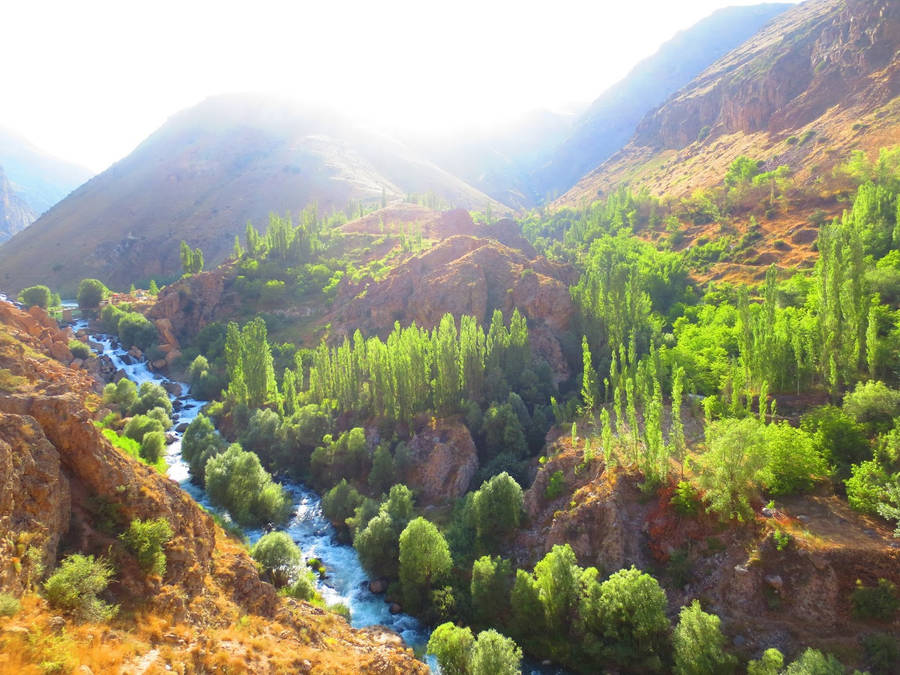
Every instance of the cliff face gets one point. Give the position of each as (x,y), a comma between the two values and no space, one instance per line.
(15,214)
(66,490)
(819,81)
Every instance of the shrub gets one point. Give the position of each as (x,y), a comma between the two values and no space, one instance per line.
(498,507)
(136,330)
(792,460)
(378,546)
(303,587)
(814,662)
(122,394)
(382,475)
(151,395)
(90,293)
(345,457)
(874,405)
(76,585)
(555,485)
(491,583)
(340,502)
(145,539)
(140,425)
(236,480)
(875,602)
(699,644)
(686,500)
(882,652)
(199,443)
(152,446)
(838,437)
(160,416)
(495,654)
(736,453)
(453,648)
(79,349)
(39,296)
(278,556)
(867,486)
(9,605)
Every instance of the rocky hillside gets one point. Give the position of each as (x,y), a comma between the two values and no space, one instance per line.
(202,176)
(15,214)
(819,81)
(67,490)
(611,120)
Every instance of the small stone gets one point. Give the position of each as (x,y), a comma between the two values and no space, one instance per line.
(775,582)
(181,428)
(739,641)
(802,518)
(768,513)
(395,608)
(741,569)
(378,586)
(56,624)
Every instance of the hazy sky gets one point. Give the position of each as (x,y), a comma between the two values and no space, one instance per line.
(88,80)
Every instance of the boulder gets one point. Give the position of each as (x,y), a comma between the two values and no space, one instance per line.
(174,388)
(378,586)
(443,460)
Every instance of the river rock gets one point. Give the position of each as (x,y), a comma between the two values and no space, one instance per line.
(135,353)
(181,428)
(378,586)
(395,608)
(172,387)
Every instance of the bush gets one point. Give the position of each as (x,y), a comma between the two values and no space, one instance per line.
(814,662)
(278,556)
(39,296)
(555,485)
(9,605)
(792,460)
(699,644)
(76,585)
(424,561)
(378,546)
(140,425)
(453,648)
(340,503)
(90,293)
(494,654)
(838,437)
(874,405)
(303,587)
(79,349)
(151,395)
(145,539)
(867,486)
(875,602)
(236,480)
(152,446)
(136,330)
(122,394)
(728,470)
(491,583)
(498,508)
(346,457)
(882,652)
(686,500)
(199,443)
(160,416)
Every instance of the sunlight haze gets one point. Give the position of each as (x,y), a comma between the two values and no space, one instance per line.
(88,81)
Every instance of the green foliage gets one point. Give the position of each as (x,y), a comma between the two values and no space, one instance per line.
(382,474)
(346,457)
(199,443)
(882,652)
(236,480)
(135,329)
(686,500)
(152,445)
(90,293)
(874,405)
(555,485)
(489,589)
(378,546)
(793,460)
(698,644)
(453,648)
(151,395)
(770,663)
(814,662)
(303,587)
(191,259)
(145,539)
(341,502)
(839,438)
(140,425)
(494,654)
(735,455)
(122,394)
(76,585)
(424,561)
(79,349)
(878,602)
(497,508)
(9,605)
(556,580)
(39,296)
(278,556)
(742,171)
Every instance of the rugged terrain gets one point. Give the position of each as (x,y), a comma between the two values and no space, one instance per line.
(202,176)
(66,489)
(818,81)
(15,214)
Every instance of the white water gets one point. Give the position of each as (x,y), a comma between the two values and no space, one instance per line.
(346,580)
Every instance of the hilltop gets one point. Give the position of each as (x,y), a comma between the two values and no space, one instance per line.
(203,175)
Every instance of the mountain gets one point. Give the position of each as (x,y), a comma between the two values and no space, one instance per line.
(817,83)
(39,179)
(611,119)
(15,214)
(202,176)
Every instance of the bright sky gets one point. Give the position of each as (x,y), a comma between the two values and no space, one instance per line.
(88,80)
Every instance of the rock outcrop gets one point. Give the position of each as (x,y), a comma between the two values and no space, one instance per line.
(443,460)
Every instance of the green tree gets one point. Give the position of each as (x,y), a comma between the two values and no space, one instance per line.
(498,508)
(278,557)
(340,502)
(736,452)
(199,443)
(236,480)
(382,475)
(699,644)
(770,663)
(36,296)
(145,539)
(90,293)
(453,648)
(490,587)
(557,582)
(378,546)
(152,445)
(588,380)
(494,654)
(814,662)
(424,561)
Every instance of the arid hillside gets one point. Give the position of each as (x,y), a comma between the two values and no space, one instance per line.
(202,176)
(818,82)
